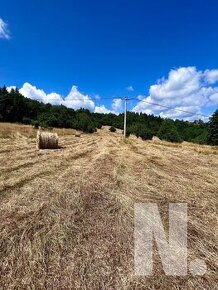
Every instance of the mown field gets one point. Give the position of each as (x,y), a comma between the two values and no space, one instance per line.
(67,215)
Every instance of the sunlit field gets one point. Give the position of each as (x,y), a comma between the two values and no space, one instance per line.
(67,214)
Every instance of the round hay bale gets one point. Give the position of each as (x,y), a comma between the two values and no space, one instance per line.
(77,134)
(155,139)
(46,140)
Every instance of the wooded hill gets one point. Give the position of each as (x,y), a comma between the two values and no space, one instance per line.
(14,107)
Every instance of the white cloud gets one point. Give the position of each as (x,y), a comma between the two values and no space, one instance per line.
(77,100)
(10,88)
(211,76)
(130,89)
(214,99)
(185,87)
(180,82)
(30,91)
(54,99)
(4,31)
(182,113)
(97,97)
(102,109)
(74,99)
(117,104)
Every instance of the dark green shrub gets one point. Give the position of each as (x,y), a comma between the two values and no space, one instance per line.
(128,132)
(169,132)
(112,129)
(201,139)
(213,129)
(85,123)
(26,120)
(141,131)
(35,124)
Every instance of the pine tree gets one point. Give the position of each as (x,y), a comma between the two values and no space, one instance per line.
(213,129)
(169,132)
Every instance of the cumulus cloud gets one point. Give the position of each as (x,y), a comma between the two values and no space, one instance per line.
(30,91)
(214,98)
(130,89)
(211,76)
(186,89)
(75,99)
(97,97)
(102,109)
(180,112)
(181,82)
(4,31)
(10,88)
(117,104)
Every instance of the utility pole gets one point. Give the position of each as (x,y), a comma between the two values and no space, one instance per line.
(125,111)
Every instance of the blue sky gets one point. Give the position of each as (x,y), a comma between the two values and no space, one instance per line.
(159,51)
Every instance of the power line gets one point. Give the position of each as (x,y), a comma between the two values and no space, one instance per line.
(121,98)
(73,99)
(171,108)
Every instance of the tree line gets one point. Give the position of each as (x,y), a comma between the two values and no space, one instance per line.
(14,107)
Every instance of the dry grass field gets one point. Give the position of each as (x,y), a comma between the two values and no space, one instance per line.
(67,214)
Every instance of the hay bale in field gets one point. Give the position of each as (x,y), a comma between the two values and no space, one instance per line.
(155,139)
(77,134)
(46,140)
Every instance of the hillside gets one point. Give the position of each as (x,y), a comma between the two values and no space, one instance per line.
(67,214)
(14,107)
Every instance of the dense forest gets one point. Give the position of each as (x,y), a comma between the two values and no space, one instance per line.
(16,108)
